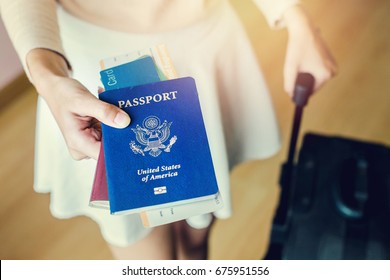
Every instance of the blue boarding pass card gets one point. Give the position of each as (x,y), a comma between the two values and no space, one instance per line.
(163,157)
(137,72)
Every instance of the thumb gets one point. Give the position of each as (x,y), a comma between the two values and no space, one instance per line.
(290,71)
(290,75)
(108,113)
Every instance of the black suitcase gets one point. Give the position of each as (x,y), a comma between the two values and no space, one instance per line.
(335,200)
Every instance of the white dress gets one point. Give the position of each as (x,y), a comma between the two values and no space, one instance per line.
(237,108)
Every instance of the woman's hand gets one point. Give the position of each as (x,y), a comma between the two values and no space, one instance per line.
(77,112)
(306,51)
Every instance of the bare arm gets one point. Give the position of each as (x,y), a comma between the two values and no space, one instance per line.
(306,50)
(77,111)
(33,29)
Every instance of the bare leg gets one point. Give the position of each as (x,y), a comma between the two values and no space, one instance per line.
(157,245)
(191,243)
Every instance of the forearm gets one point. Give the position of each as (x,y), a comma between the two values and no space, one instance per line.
(31,25)
(306,50)
(297,20)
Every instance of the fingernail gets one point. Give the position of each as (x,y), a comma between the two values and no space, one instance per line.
(122,119)
(100,90)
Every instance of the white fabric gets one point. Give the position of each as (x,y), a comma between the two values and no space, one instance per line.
(33,24)
(237,109)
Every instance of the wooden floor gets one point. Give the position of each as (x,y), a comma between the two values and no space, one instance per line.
(355,104)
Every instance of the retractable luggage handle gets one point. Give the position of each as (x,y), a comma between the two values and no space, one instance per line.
(303,89)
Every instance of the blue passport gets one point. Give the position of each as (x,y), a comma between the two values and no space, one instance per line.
(140,71)
(163,157)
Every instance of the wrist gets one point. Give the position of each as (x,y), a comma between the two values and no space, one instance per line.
(46,67)
(296,19)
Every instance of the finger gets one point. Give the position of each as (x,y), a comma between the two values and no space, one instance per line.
(77,155)
(96,129)
(289,81)
(100,90)
(84,146)
(290,75)
(105,112)
(92,148)
(290,70)
(331,62)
